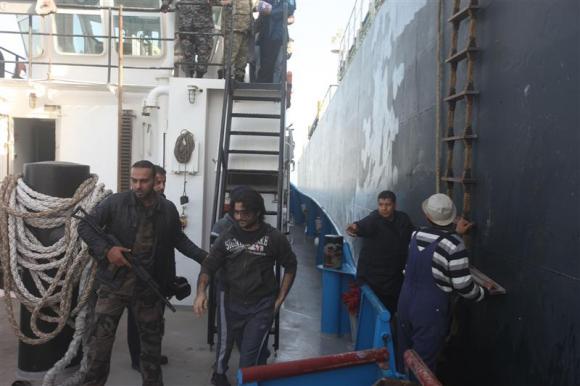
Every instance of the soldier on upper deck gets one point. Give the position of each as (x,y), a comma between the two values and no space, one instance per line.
(194,26)
(271,31)
(242,26)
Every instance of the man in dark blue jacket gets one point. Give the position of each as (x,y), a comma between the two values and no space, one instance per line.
(386,233)
(147,225)
(271,30)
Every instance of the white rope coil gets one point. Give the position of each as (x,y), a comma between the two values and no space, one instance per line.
(55,269)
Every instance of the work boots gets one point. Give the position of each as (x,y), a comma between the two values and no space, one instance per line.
(220,380)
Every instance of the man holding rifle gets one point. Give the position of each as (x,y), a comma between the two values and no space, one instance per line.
(142,229)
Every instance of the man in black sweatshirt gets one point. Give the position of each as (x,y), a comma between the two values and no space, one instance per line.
(247,252)
(386,233)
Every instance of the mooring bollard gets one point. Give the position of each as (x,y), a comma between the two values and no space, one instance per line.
(57,179)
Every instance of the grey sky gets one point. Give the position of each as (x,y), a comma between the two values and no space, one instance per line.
(313,65)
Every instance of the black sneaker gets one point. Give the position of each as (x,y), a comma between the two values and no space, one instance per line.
(220,380)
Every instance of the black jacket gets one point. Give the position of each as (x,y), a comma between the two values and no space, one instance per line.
(384,250)
(117,215)
(248,259)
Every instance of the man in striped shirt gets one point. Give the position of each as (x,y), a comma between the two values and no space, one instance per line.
(437,266)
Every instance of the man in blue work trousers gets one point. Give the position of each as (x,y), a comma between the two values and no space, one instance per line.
(437,266)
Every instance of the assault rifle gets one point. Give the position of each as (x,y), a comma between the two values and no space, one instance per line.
(112,274)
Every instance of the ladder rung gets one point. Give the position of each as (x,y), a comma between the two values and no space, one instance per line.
(459,138)
(460,180)
(256,133)
(461,95)
(256,98)
(256,152)
(461,55)
(254,115)
(271,213)
(463,14)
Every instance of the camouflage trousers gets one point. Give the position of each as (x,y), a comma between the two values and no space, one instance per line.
(148,311)
(195,43)
(239,55)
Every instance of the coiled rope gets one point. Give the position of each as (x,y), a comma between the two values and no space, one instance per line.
(184,146)
(20,206)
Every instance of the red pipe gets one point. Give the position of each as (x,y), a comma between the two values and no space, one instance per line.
(312,365)
(424,375)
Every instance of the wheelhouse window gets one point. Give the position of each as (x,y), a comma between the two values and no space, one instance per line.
(141,31)
(141,35)
(79,33)
(34,23)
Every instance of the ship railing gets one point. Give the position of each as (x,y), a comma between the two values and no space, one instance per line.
(108,40)
(321,106)
(327,98)
(361,17)
(17,60)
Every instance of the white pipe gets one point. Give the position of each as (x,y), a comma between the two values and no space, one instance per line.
(151,98)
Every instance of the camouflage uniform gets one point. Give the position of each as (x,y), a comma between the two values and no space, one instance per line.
(242,24)
(148,311)
(199,20)
(144,304)
(152,233)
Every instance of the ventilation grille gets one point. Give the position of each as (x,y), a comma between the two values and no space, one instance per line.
(124,151)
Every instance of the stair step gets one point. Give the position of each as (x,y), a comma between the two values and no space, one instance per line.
(256,98)
(255,133)
(258,188)
(256,152)
(263,181)
(254,115)
(259,172)
(256,86)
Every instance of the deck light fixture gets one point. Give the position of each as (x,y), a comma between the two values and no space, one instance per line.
(192,91)
(32,100)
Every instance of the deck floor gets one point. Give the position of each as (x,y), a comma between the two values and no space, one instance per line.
(190,358)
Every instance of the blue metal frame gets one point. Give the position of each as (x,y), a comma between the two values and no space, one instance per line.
(376,321)
(374,330)
(296,206)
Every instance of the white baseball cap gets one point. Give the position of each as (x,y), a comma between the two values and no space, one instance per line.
(439,209)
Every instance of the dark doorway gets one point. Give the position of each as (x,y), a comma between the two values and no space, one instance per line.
(34,141)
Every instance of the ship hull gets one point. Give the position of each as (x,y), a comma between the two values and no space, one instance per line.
(380,132)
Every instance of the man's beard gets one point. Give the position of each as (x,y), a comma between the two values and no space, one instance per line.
(142,195)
